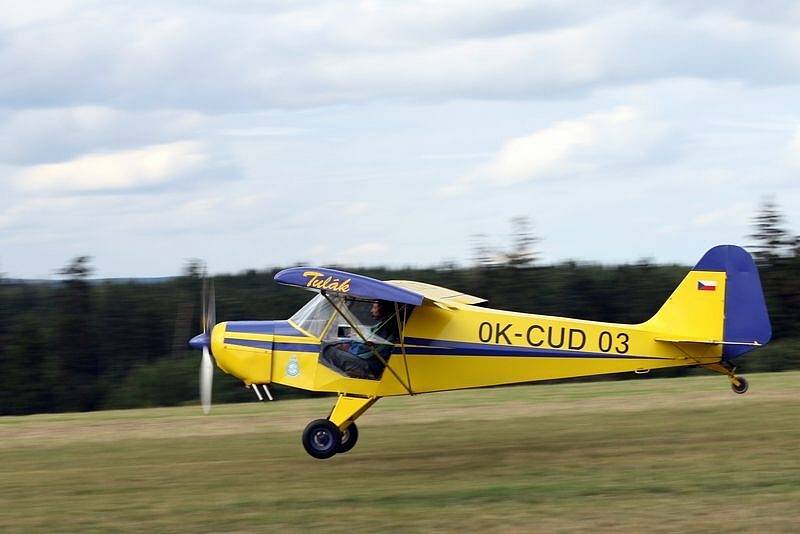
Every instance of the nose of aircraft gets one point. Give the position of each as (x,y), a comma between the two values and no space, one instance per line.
(248,359)
(200,340)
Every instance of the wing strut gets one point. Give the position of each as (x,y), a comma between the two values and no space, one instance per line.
(367,343)
(401,330)
(710,342)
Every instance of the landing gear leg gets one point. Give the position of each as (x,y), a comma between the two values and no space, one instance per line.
(738,383)
(338,433)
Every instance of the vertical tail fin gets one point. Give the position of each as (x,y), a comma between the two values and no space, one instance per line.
(719,300)
(746,317)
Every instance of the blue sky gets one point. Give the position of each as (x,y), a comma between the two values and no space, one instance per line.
(256,134)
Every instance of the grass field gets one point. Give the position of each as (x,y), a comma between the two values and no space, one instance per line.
(656,455)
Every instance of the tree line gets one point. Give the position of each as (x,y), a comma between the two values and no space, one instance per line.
(80,344)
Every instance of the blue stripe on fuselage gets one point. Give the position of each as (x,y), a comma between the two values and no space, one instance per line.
(278,328)
(267,345)
(249,343)
(439,347)
(297,347)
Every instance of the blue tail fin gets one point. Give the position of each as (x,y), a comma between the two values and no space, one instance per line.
(746,318)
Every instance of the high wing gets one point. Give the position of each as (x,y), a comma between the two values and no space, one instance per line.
(336,282)
(438,294)
(355,285)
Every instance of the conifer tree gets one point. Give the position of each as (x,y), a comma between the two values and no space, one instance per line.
(522,253)
(78,365)
(772,239)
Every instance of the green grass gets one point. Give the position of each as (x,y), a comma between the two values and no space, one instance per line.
(657,455)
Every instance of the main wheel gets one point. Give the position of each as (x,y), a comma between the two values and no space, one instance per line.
(322,439)
(742,387)
(349,438)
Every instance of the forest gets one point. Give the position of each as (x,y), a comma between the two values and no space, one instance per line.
(81,344)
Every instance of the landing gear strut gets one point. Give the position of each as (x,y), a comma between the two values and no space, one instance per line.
(738,383)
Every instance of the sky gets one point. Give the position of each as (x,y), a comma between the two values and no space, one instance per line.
(257,134)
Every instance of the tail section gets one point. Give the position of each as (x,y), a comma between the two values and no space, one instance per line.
(719,302)
(746,317)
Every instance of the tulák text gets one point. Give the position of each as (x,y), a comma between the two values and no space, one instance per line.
(330,283)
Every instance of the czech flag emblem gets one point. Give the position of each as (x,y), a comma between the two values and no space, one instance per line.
(706,285)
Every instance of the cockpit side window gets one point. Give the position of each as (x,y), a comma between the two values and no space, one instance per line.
(320,319)
(359,313)
(363,354)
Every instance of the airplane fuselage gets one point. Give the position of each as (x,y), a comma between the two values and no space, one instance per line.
(463,346)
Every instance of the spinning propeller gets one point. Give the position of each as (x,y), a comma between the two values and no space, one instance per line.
(206,365)
(203,341)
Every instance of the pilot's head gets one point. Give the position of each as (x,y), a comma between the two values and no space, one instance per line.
(380,309)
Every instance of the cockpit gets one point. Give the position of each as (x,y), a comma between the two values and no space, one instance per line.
(357,335)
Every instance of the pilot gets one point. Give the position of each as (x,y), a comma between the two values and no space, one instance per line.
(357,359)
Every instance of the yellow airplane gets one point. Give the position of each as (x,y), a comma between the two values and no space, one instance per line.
(365,339)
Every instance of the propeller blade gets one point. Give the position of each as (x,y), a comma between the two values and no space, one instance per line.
(211,317)
(206,380)
(204,304)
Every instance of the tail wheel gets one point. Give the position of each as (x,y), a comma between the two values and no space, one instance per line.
(742,387)
(349,438)
(322,439)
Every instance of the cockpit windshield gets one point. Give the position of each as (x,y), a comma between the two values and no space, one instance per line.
(315,316)
(320,319)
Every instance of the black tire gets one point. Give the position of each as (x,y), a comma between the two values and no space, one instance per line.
(742,387)
(322,439)
(349,438)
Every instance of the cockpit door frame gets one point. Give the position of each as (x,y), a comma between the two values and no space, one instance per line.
(355,328)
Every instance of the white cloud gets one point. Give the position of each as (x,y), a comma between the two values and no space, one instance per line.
(46,135)
(307,116)
(20,13)
(246,56)
(123,170)
(619,136)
